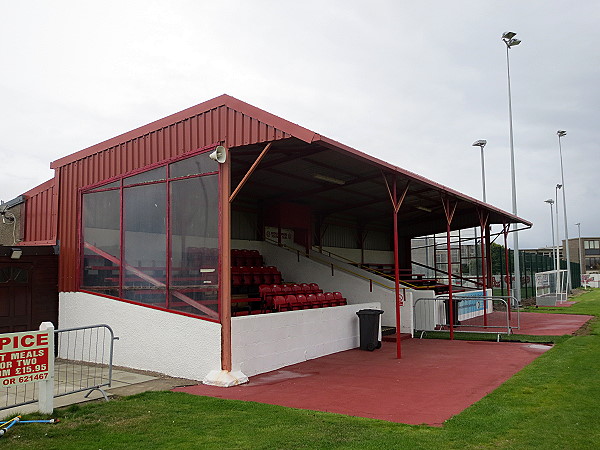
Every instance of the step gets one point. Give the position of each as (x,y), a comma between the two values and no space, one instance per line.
(392,337)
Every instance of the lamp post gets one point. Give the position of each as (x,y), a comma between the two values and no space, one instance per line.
(581,263)
(509,39)
(558,186)
(551,203)
(481,143)
(562,133)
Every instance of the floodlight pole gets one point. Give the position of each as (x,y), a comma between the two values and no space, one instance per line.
(551,203)
(481,144)
(560,134)
(558,186)
(510,41)
(581,265)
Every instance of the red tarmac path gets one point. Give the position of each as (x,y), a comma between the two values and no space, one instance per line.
(434,380)
(539,324)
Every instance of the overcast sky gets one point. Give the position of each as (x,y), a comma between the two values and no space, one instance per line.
(414,83)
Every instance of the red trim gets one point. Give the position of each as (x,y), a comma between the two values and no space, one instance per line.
(168,239)
(121,235)
(41,188)
(80,251)
(34,243)
(334,145)
(181,313)
(155,165)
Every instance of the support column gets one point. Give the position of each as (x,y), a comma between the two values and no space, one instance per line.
(396,203)
(225,274)
(449,209)
(225,377)
(396,274)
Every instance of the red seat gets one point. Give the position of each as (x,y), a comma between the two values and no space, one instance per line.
(246,275)
(339,299)
(280,303)
(286,290)
(296,289)
(321,300)
(306,289)
(276,289)
(255,257)
(276,274)
(315,288)
(236,276)
(311,299)
(302,302)
(292,302)
(330,299)
(237,258)
(257,277)
(266,275)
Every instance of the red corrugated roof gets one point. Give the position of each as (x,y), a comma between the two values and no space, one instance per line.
(224,100)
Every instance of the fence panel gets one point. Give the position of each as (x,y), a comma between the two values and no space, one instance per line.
(83,362)
(473,314)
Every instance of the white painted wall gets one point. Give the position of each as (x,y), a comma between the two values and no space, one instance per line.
(266,342)
(149,339)
(370,256)
(357,290)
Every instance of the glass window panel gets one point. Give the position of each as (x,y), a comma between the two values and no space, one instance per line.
(20,275)
(144,241)
(114,184)
(5,274)
(194,243)
(158,174)
(101,237)
(193,166)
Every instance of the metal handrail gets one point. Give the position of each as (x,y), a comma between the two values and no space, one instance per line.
(504,299)
(329,264)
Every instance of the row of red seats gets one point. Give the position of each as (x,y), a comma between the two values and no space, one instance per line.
(310,294)
(246,258)
(295,302)
(248,276)
(267,292)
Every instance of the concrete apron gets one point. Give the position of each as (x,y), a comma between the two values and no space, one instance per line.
(124,382)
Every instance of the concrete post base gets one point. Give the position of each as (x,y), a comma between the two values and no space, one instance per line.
(223,378)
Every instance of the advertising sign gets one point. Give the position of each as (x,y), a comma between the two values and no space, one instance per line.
(24,357)
(287,235)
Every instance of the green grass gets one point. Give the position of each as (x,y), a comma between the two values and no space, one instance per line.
(550,404)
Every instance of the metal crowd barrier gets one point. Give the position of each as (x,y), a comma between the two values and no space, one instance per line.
(83,362)
(472,314)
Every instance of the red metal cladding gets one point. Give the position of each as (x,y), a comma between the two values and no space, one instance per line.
(40,215)
(223,119)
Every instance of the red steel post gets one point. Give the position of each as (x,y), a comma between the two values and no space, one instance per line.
(225,262)
(396,274)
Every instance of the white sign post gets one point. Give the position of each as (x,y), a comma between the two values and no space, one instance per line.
(46,386)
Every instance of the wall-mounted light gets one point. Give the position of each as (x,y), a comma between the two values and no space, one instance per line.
(15,253)
(318,176)
(423,208)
